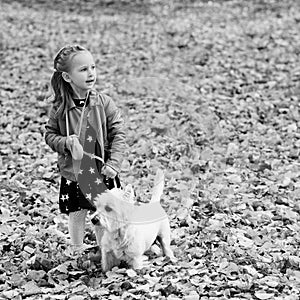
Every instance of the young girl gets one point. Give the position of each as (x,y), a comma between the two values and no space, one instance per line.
(87,131)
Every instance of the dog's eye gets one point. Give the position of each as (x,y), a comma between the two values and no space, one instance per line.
(108,208)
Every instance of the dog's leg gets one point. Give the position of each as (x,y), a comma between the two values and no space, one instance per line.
(109,260)
(140,262)
(99,231)
(165,240)
(165,244)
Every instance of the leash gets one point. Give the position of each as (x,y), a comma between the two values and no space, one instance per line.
(92,156)
(81,117)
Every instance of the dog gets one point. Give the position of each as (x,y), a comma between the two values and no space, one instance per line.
(129,229)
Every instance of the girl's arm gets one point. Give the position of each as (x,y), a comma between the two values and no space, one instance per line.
(115,135)
(53,137)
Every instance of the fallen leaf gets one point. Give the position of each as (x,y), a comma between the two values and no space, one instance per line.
(31,288)
(263,295)
(131,273)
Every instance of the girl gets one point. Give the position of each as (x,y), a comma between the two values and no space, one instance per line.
(87,131)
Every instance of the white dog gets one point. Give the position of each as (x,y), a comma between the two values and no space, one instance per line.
(129,229)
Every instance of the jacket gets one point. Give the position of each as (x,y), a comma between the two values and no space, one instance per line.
(104,116)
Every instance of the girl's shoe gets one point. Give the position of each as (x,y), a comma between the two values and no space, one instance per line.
(74,251)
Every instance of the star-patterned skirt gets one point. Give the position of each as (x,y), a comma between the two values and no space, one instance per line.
(80,194)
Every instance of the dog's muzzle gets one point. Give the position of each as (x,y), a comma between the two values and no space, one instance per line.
(95,220)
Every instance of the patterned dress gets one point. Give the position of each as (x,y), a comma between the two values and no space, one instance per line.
(80,194)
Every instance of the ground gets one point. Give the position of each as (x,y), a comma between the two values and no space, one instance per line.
(209,91)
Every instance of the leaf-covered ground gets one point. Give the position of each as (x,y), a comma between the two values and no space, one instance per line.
(210,92)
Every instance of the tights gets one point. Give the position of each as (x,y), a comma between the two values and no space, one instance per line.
(77,228)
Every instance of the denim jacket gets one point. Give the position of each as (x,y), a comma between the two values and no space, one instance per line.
(104,116)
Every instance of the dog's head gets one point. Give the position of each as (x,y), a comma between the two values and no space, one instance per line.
(113,209)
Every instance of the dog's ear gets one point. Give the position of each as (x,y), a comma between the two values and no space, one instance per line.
(102,199)
(128,194)
(117,193)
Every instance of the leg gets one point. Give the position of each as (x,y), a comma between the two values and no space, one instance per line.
(108,260)
(140,262)
(99,231)
(77,228)
(164,239)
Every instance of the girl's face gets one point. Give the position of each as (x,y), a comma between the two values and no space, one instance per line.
(82,74)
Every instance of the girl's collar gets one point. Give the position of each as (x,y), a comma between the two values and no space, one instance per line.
(92,97)
(79,102)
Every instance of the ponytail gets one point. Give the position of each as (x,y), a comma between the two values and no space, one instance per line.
(63,91)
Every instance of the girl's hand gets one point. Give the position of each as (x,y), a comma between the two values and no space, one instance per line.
(69,142)
(109,172)
(73,145)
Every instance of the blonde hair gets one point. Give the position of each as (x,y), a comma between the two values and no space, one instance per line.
(62,90)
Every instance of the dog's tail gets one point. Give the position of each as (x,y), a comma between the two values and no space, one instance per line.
(158,186)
